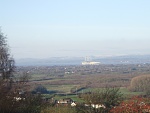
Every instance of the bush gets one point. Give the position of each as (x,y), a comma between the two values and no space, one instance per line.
(109,97)
(134,105)
(140,83)
(40,89)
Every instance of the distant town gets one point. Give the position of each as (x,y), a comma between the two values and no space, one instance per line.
(90,60)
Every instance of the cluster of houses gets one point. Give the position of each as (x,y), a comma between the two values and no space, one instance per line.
(67,101)
(70,102)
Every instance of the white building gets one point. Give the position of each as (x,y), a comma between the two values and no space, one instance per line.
(88,62)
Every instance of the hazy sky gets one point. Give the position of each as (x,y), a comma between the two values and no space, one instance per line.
(55,28)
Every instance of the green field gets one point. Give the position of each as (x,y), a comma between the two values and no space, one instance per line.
(62,87)
(75,97)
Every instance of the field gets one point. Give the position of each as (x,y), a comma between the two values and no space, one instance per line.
(68,81)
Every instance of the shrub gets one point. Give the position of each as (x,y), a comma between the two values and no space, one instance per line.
(109,97)
(140,83)
(40,89)
(134,105)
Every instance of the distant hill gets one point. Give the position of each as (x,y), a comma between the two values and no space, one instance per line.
(49,62)
(130,59)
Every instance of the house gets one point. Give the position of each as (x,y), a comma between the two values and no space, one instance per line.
(95,105)
(65,101)
(17,99)
(73,104)
(98,106)
(21,92)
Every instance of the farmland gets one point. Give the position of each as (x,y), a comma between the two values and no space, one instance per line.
(72,79)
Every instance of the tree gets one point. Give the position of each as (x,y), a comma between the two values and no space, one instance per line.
(109,97)
(6,62)
(40,89)
(6,72)
(12,97)
(141,83)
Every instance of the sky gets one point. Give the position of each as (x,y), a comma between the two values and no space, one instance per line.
(76,28)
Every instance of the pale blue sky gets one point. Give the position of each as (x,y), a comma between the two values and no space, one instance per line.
(55,28)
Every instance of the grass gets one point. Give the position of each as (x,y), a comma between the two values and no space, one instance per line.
(60,88)
(75,97)
(123,90)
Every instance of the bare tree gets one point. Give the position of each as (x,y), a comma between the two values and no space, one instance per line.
(6,62)
(6,73)
(141,83)
(12,96)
